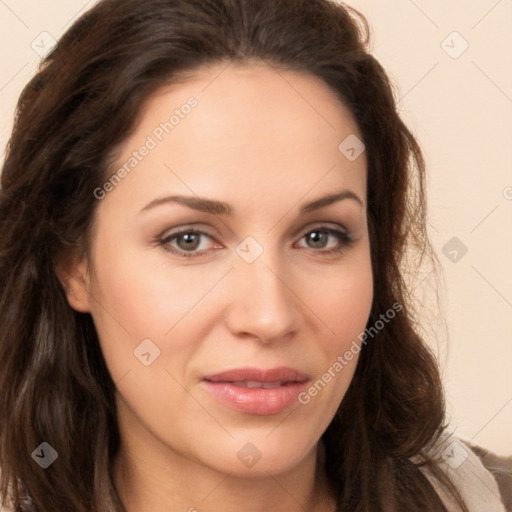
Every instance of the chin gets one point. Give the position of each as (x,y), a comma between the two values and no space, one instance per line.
(257,455)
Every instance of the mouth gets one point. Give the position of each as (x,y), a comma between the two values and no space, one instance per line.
(257,391)
(252,384)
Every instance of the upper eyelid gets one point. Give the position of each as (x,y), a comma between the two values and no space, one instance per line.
(303,230)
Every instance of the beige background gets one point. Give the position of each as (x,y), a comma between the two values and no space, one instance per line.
(459,104)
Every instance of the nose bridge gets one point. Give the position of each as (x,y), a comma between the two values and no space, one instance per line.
(264,303)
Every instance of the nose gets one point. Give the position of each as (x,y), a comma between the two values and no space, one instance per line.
(262,301)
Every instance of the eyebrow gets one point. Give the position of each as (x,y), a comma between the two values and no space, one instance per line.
(203,204)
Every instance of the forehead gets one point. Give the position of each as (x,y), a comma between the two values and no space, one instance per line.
(253,129)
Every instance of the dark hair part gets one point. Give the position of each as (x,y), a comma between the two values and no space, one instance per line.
(71,117)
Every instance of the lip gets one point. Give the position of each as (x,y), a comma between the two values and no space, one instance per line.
(228,389)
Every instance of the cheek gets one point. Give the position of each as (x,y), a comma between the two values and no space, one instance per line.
(344,305)
(143,290)
(345,301)
(347,306)
(137,299)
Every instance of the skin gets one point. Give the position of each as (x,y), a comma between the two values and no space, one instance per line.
(265,141)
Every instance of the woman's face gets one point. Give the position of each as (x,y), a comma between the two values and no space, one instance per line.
(218,338)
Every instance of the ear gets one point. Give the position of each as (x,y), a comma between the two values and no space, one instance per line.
(72,271)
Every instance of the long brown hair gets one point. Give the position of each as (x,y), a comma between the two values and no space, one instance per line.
(71,117)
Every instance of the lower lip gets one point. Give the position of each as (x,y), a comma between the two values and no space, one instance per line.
(259,401)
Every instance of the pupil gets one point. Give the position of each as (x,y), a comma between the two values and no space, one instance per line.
(315,235)
(189,237)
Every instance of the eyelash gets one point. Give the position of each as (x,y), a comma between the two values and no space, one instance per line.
(345,241)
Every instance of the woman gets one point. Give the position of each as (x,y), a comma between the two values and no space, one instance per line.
(143,373)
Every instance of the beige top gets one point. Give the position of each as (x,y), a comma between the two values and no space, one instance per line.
(475,482)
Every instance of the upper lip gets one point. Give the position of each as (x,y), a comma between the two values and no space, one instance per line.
(282,374)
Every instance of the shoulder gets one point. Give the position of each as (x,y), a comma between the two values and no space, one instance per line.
(482,478)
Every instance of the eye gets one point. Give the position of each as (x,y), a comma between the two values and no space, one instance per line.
(186,242)
(187,239)
(320,235)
